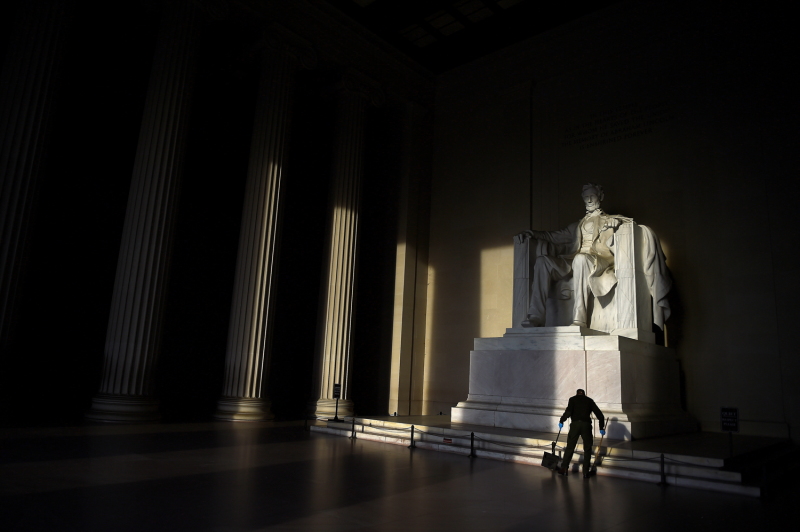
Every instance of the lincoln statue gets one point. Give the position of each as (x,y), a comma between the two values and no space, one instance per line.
(585,249)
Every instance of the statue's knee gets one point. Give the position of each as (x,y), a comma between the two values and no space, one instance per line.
(582,261)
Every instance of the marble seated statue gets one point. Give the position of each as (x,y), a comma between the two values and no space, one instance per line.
(603,272)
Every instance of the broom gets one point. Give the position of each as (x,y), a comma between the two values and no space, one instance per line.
(594,466)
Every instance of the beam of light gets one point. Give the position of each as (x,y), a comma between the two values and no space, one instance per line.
(496,290)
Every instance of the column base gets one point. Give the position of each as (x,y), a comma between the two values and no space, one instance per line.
(123,409)
(243,409)
(326,408)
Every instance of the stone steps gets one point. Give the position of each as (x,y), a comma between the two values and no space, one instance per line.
(694,471)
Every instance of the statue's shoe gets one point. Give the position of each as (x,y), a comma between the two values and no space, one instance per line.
(580,324)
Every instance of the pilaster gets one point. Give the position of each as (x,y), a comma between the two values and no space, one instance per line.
(411,265)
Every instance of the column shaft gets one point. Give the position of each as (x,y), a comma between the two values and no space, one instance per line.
(333,353)
(27,93)
(132,340)
(244,395)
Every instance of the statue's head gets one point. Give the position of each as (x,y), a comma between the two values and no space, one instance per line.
(592,196)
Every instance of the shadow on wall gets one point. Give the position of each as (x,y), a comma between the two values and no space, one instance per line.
(619,430)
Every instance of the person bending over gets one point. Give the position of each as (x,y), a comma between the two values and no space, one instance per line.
(578,410)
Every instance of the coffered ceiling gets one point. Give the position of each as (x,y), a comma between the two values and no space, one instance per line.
(443,34)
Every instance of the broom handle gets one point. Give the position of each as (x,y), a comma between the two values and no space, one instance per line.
(554,443)
(598,450)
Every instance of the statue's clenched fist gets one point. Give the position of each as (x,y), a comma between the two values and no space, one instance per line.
(611,223)
(523,236)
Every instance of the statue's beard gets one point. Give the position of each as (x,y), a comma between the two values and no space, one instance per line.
(592,208)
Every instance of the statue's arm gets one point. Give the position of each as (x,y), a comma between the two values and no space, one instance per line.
(562,236)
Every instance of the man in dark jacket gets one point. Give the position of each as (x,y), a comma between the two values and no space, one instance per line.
(578,410)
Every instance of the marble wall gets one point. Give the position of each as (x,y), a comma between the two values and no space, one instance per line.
(682,115)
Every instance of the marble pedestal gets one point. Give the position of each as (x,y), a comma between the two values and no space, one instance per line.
(525,379)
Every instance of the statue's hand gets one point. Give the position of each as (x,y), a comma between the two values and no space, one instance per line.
(523,236)
(611,223)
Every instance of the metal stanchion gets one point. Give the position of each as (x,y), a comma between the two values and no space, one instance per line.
(412,446)
(337,393)
(471,445)
(353,429)
(663,475)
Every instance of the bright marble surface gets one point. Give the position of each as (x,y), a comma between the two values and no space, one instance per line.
(524,381)
(530,374)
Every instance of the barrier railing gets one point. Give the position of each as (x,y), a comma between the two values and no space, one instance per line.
(520,447)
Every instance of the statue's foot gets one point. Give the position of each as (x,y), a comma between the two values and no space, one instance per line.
(533,321)
(580,324)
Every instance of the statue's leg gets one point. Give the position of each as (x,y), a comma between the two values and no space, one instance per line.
(545,271)
(582,268)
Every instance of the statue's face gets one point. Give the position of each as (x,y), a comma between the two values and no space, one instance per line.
(591,199)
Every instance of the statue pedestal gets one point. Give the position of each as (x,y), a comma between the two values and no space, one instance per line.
(525,379)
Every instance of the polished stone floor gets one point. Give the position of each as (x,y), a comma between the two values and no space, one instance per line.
(248,477)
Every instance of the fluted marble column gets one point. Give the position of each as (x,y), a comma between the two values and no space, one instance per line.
(127,391)
(27,93)
(332,362)
(244,395)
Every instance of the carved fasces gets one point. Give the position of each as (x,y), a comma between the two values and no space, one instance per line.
(625,270)
(522,280)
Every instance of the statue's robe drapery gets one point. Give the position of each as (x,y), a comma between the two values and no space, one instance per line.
(659,281)
(565,244)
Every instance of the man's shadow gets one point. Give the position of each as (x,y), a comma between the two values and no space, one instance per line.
(620,432)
